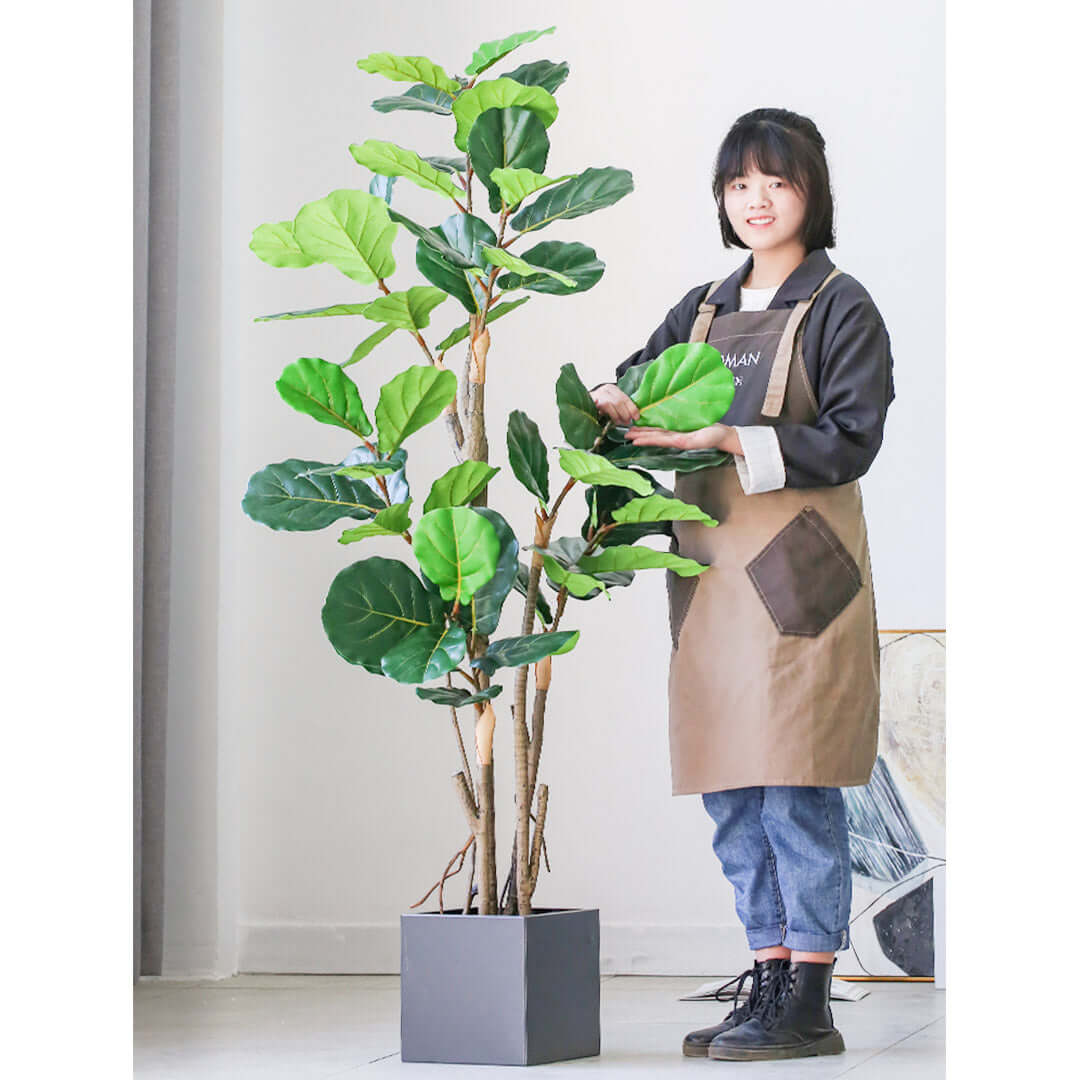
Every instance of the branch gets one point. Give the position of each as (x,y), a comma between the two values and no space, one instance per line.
(541,817)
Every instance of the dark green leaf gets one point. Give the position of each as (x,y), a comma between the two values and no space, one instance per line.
(487,601)
(425,655)
(665,459)
(514,652)
(521,585)
(593,190)
(576,261)
(373,605)
(424,98)
(278,496)
(452,695)
(540,73)
(578,416)
(528,454)
(512,138)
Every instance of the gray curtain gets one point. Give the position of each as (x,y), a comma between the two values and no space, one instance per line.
(155,161)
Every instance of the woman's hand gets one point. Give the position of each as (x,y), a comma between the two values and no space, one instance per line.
(715,437)
(614,404)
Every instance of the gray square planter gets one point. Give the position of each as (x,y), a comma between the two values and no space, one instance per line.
(500,989)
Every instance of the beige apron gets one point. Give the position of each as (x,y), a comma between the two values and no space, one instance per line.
(774,663)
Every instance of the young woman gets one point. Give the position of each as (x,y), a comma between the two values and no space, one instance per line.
(773,688)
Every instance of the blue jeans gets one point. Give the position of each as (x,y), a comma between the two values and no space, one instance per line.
(785,850)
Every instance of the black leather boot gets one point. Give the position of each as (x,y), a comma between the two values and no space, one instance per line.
(696,1044)
(793,1020)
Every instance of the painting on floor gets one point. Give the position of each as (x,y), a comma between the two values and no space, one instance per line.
(896,823)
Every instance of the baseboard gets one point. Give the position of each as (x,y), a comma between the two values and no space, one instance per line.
(374,949)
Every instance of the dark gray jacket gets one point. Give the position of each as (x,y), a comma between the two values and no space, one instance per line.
(848,358)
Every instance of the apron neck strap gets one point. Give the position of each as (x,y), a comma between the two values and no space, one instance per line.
(700,330)
(778,376)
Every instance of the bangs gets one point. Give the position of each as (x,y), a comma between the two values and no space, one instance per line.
(765,147)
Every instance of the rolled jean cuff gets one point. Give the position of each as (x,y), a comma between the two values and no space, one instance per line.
(765,937)
(803,941)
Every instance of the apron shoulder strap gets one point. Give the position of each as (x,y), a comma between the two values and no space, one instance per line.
(778,376)
(700,330)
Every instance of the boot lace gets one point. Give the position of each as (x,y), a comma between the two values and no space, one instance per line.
(720,995)
(773,996)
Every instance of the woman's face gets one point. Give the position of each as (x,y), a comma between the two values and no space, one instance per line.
(770,200)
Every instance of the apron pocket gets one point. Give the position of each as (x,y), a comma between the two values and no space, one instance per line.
(805,575)
(680,595)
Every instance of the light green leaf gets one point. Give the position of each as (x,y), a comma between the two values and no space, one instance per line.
(409,69)
(499,94)
(528,454)
(425,655)
(392,521)
(324,392)
(276,244)
(457,549)
(350,230)
(687,387)
(316,313)
(369,343)
(409,310)
(283,497)
(487,601)
(577,261)
(373,605)
(516,185)
(592,190)
(659,508)
(460,485)
(411,400)
(356,472)
(639,558)
(516,651)
(389,159)
(593,469)
(579,585)
(501,257)
(491,52)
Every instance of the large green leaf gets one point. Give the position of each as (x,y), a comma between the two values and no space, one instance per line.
(459,485)
(500,257)
(460,333)
(665,459)
(687,387)
(487,601)
(543,73)
(561,560)
(409,310)
(572,260)
(578,416)
(499,94)
(513,652)
(411,400)
(528,454)
(491,52)
(275,243)
(462,235)
(392,521)
(421,97)
(606,500)
(278,496)
(593,469)
(409,69)
(630,379)
(513,138)
(389,159)
(355,472)
(425,655)
(323,391)
(350,230)
(435,239)
(458,550)
(659,508)
(593,190)
(639,558)
(582,586)
(373,605)
(455,696)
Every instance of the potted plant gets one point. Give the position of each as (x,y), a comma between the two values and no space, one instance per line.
(497,980)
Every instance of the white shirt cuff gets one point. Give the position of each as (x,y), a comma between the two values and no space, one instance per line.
(761,465)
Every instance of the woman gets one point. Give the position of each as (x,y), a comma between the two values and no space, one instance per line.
(773,688)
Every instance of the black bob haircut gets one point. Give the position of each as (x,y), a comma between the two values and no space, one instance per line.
(781,143)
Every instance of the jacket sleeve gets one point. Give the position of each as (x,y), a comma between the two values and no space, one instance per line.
(855,388)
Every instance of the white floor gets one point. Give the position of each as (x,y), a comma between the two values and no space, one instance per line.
(310,1027)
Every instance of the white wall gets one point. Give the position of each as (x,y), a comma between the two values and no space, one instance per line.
(334,800)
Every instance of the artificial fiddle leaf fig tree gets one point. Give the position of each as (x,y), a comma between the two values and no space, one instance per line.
(438,622)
